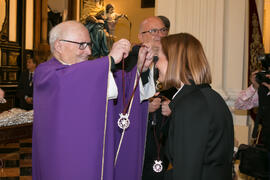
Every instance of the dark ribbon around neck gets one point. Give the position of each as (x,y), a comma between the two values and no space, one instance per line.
(126,106)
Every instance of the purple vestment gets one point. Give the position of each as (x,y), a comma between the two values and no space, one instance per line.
(71,119)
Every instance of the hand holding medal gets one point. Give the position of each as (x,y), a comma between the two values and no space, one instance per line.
(120,50)
(145,57)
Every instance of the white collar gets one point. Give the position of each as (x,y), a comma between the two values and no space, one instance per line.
(62,62)
(178,91)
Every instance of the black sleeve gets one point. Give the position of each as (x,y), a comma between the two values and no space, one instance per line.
(145,76)
(113,66)
(169,93)
(130,63)
(131,60)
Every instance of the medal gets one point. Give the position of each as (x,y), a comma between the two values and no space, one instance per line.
(123,121)
(159,85)
(157,167)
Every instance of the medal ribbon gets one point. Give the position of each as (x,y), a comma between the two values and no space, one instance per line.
(129,104)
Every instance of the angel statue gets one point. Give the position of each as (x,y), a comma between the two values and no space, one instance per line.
(111,18)
(93,19)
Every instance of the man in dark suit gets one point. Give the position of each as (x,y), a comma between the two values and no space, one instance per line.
(151,31)
(25,88)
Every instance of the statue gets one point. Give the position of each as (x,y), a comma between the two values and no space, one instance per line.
(111,18)
(100,23)
(94,22)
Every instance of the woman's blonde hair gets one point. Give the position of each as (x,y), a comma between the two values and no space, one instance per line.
(186,60)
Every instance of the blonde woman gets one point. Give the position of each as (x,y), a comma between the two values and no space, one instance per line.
(200,142)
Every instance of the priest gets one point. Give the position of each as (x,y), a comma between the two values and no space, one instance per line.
(89,117)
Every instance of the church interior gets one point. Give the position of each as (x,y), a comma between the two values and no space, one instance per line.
(230,32)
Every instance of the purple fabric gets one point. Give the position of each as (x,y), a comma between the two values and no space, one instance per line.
(130,159)
(69,122)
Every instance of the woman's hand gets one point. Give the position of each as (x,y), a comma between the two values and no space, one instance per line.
(165,109)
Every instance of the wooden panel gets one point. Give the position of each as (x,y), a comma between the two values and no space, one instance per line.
(41,46)
(10,68)
(14,133)
(9,75)
(4,59)
(13,58)
(72,10)
(4,76)
(12,53)
(12,76)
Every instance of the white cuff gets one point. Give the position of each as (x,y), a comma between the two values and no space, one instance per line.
(148,90)
(112,88)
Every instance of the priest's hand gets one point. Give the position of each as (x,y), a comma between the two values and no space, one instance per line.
(120,50)
(146,55)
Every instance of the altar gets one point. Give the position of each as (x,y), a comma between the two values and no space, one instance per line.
(15,124)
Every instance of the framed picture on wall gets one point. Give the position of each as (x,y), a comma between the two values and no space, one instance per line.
(147,3)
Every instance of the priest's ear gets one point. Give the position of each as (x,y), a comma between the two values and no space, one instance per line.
(58,46)
(140,37)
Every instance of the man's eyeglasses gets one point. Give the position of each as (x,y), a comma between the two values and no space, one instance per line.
(163,30)
(82,45)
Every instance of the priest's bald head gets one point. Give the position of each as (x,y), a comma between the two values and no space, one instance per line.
(70,42)
(151,30)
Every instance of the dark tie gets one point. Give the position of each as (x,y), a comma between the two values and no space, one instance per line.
(30,78)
